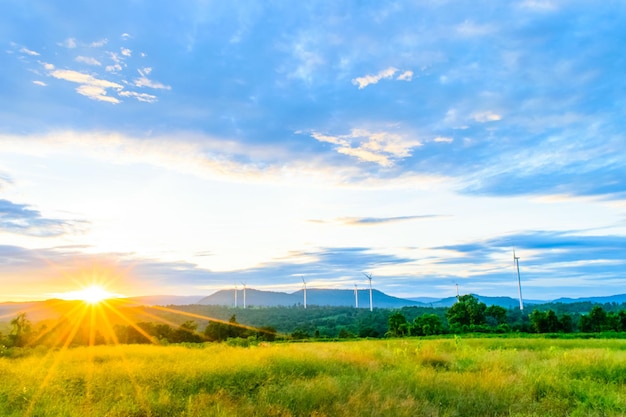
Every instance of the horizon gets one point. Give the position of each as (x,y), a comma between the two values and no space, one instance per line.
(408,298)
(183,148)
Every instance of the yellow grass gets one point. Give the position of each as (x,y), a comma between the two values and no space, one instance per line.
(412,377)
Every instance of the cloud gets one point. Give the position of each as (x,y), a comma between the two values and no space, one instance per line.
(88,60)
(363,82)
(144,81)
(69,43)
(100,43)
(94,88)
(487,116)
(41,83)
(29,52)
(126,51)
(19,219)
(146,98)
(443,139)
(382,148)
(372,221)
(405,76)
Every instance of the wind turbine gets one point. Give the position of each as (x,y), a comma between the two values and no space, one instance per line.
(244,294)
(356,297)
(519,281)
(369,276)
(304,282)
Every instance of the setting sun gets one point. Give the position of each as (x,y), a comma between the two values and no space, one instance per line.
(92,294)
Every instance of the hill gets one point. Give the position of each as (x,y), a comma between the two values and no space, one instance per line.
(315,296)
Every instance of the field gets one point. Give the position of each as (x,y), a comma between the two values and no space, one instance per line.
(400,377)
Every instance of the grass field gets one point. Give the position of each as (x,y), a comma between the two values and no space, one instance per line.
(404,377)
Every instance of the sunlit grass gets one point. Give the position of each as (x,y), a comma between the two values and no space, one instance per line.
(445,377)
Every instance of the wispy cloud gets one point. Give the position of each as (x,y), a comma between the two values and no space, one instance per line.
(366,80)
(94,88)
(146,98)
(20,219)
(27,51)
(88,60)
(373,221)
(100,43)
(69,43)
(382,148)
(41,83)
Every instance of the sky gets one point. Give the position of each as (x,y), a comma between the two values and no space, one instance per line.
(181,148)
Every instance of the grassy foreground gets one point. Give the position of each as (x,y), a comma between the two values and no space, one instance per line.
(410,377)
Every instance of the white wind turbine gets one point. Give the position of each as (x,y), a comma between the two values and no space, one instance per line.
(356,296)
(369,277)
(304,282)
(519,281)
(244,294)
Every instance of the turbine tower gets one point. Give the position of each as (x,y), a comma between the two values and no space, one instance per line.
(519,281)
(244,294)
(369,277)
(356,297)
(304,282)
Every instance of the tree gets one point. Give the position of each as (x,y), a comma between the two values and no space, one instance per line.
(426,325)
(467,311)
(495,314)
(21,330)
(398,325)
(595,321)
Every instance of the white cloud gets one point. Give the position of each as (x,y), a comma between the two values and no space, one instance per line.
(29,52)
(487,116)
(88,60)
(405,76)
(94,88)
(98,44)
(363,82)
(146,98)
(48,66)
(382,148)
(125,36)
(113,68)
(41,83)
(69,43)
(442,139)
(146,82)
(126,51)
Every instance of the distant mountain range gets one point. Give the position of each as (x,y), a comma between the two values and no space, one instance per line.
(38,310)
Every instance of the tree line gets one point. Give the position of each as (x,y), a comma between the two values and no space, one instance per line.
(467,315)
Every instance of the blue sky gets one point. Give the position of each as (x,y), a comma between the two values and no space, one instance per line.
(174,148)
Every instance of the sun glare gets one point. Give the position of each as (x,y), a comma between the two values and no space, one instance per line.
(93,294)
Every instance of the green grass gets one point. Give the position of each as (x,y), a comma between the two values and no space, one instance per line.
(410,377)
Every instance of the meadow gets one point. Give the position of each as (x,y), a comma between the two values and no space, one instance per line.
(394,377)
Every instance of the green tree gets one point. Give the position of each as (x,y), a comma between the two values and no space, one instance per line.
(398,325)
(467,311)
(426,325)
(495,314)
(595,321)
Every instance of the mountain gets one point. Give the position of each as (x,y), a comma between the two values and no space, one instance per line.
(506,302)
(619,299)
(253,298)
(315,296)
(164,300)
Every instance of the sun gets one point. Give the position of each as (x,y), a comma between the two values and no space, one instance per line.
(92,294)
